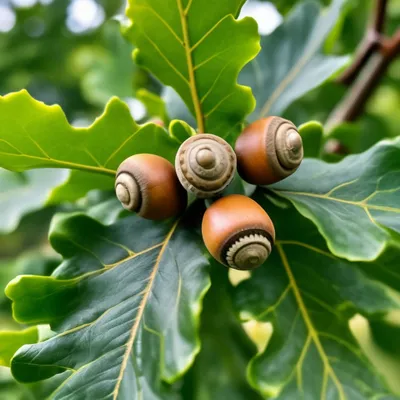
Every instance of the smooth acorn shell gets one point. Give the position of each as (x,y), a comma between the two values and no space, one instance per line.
(268,151)
(238,232)
(205,165)
(147,184)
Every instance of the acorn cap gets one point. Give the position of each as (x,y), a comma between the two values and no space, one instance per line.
(205,165)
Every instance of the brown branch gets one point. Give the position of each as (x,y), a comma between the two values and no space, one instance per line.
(391,46)
(369,45)
(378,20)
(353,104)
(370,64)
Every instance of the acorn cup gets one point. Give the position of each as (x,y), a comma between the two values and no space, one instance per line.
(205,165)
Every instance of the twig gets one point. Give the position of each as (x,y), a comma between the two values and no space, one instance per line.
(379,16)
(370,65)
(369,45)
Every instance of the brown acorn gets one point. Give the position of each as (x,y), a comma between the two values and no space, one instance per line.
(238,232)
(147,184)
(268,151)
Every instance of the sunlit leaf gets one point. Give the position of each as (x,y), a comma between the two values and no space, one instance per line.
(200,57)
(34,135)
(312,135)
(11,341)
(155,105)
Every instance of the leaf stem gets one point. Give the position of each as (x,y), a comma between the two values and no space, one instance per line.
(192,78)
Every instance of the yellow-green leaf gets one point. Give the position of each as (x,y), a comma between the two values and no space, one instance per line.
(34,135)
(11,341)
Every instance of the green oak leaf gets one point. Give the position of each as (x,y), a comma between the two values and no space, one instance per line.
(77,186)
(200,57)
(354,203)
(291,62)
(22,193)
(219,371)
(312,135)
(124,303)
(31,262)
(11,341)
(103,207)
(386,333)
(155,105)
(34,135)
(309,296)
(181,130)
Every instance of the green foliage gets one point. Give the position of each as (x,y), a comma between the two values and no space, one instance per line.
(113,74)
(135,309)
(294,59)
(364,188)
(135,276)
(309,295)
(10,342)
(219,370)
(312,135)
(31,188)
(199,57)
(28,142)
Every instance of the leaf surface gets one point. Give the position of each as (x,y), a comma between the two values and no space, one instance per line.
(312,134)
(309,296)
(11,341)
(125,304)
(291,62)
(354,203)
(219,371)
(200,57)
(22,193)
(34,135)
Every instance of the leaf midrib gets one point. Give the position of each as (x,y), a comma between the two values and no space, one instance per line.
(66,164)
(192,78)
(141,310)
(291,75)
(362,204)
(312,331)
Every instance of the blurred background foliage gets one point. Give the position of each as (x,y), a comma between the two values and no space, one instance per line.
(71,52)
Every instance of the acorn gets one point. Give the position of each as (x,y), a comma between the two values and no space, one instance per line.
(205,165)
(147,184)
(268,151)
(238,232)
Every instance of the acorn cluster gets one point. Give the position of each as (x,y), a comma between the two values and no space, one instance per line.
(236,230)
